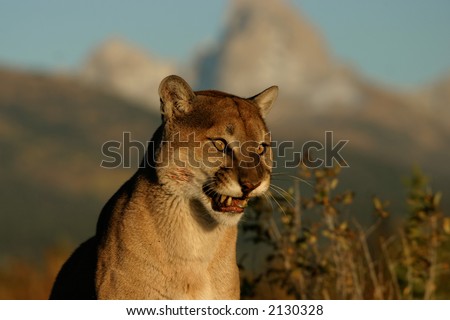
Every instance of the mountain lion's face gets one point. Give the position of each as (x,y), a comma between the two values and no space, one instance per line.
(217,148)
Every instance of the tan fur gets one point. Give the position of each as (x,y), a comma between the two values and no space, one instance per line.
(160,236)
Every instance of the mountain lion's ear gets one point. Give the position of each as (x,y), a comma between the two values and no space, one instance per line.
(265,99)
(176,96)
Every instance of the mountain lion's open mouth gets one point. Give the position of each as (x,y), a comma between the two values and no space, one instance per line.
(223,203)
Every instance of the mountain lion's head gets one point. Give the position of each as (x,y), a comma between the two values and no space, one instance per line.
(213,148)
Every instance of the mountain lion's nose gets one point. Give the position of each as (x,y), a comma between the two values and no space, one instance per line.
(248,187)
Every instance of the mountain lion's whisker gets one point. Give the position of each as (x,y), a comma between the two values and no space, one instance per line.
(283,193)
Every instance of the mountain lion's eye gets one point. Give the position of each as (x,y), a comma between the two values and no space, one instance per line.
(219,144)
(261,149)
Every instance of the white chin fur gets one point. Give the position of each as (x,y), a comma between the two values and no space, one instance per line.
(227,219)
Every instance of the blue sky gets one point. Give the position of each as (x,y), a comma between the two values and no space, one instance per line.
(401,42)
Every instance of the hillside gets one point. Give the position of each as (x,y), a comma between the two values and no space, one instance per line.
(51,132)
(52,128)
(386,136)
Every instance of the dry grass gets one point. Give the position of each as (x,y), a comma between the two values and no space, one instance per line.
(314,251)
(23,279)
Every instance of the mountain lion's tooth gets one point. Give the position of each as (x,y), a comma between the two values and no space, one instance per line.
(222,198)
(229,200)
(242,203)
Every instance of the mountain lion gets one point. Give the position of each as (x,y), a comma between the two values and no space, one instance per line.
(170,231)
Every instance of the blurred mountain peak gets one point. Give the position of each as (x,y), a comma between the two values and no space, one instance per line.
(265,42)
(124,68)
(270,42)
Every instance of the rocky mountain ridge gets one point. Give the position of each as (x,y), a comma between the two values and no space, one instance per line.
(260,45)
